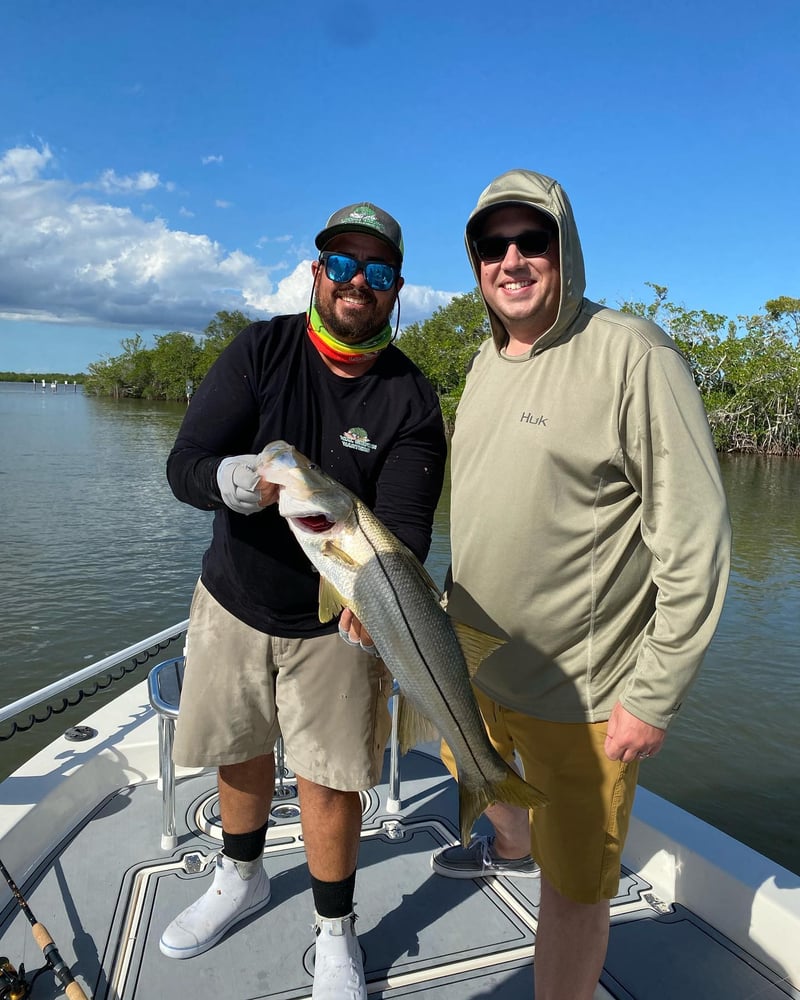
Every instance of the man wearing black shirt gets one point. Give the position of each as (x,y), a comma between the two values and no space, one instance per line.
(332,384)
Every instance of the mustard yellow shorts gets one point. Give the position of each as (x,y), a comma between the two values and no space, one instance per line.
(243,689)
(577,838)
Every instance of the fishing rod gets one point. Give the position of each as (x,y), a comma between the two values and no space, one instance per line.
(42,937)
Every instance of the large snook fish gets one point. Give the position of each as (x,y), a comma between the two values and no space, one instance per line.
(363,566)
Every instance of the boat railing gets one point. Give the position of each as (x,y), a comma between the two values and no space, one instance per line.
(57,688)
(153,645)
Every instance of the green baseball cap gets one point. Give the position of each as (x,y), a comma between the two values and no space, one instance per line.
(363,217)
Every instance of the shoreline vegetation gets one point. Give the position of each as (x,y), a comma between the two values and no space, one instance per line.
(747,369)
(48,377)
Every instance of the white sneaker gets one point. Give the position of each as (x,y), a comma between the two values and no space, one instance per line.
(239,889)
(338,967)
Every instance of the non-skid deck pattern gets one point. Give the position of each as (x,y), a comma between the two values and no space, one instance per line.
(108,891)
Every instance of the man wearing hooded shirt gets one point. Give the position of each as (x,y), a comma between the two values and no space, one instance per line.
(331,383)
(589,529)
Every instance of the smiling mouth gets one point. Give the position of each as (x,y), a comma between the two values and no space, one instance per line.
(354,299)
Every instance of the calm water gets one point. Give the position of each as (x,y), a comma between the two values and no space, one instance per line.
(97,554)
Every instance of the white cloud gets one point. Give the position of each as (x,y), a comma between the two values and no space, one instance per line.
(24,164)
(290,295)
(210,159)
(145,180)
(263,241)
(68,257)
(223,204)
(418,302)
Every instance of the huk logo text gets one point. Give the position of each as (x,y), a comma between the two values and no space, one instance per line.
(529,418)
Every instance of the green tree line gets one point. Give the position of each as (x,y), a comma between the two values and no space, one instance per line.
(38,376)
(170,370)
(747,370)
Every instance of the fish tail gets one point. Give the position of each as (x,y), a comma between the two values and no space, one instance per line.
(512,789)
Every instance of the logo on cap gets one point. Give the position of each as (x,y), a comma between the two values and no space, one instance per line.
(365,216)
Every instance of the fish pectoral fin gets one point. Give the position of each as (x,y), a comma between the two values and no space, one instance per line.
(475,645)
(337,554)
(331,602)
(412,726)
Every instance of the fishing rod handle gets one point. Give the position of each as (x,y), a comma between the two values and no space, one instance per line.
(41,936)
(74,992)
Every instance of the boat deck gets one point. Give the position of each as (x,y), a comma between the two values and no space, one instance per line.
(107,891)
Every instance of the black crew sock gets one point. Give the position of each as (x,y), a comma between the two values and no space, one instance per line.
(333,899)
(244,846)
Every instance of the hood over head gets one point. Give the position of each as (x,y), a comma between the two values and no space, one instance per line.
(524,187)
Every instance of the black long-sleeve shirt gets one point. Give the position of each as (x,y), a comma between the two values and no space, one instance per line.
(380,435)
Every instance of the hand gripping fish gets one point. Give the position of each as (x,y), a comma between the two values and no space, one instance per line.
(363,566)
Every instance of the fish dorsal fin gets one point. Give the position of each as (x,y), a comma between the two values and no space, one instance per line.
(422,573)
(331,602)
(412,726)
(475,645)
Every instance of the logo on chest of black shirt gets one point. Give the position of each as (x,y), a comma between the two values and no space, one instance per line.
(357,439)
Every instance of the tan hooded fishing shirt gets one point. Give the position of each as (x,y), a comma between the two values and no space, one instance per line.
(589,522)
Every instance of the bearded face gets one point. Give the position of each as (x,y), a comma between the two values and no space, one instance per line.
(352,311)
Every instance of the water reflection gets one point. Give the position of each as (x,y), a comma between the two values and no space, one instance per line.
(733,755)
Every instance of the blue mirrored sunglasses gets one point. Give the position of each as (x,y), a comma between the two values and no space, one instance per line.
(341,267)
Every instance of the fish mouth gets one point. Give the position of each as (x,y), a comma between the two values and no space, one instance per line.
(315,523)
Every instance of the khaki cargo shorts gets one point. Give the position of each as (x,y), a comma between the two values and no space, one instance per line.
(243,689)
(578,837)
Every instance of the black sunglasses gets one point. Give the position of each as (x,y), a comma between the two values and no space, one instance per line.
(531,243)
(341,267)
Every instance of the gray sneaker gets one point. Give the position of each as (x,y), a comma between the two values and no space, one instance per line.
(477,861)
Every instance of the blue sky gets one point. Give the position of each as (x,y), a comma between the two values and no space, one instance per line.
(161,161)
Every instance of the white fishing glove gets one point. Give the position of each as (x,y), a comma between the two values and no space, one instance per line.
(238,481)
(348,624)
(371,648)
